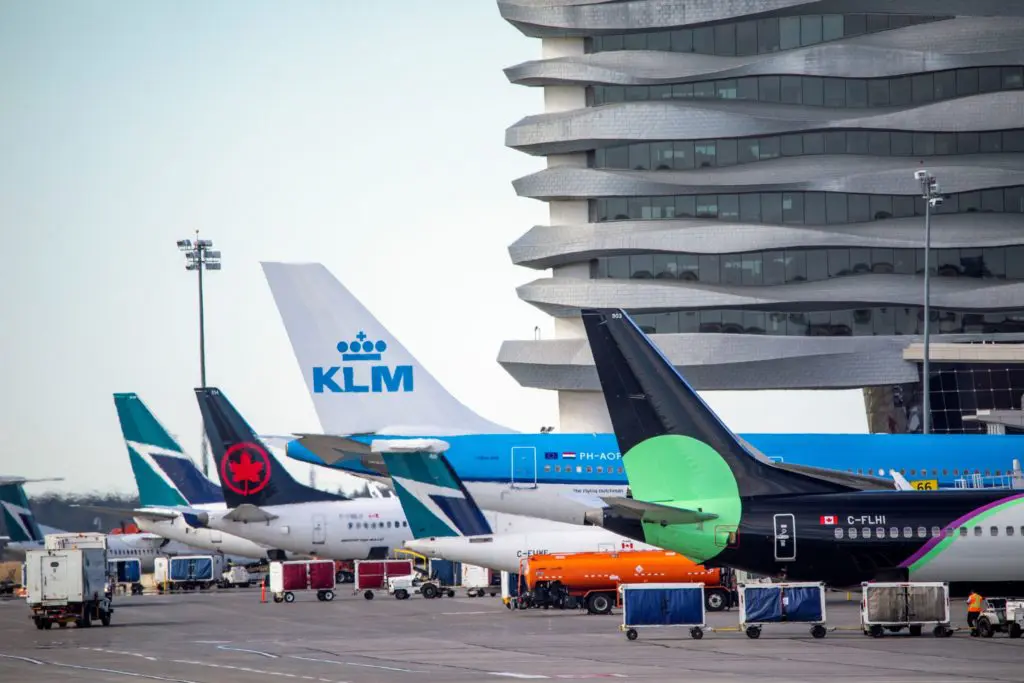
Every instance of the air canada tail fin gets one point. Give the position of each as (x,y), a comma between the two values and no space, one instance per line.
(17,514)
(164,473)
(434,499)
(249,473)
(359,375)
(674,447)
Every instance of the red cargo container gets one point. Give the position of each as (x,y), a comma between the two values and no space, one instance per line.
(288,577)
(373,575)
(321,575)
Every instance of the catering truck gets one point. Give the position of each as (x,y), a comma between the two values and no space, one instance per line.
(591,580)
(66,581)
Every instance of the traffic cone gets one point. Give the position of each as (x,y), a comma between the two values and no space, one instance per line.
(263,591)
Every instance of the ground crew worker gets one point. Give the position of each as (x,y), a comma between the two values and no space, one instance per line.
(973,609)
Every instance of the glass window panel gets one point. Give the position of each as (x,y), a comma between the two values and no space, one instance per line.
(637,207)
(665,266)
(768,88)
(746,88)
(881,207)
(901,144)
(769,148)
(746,38)
(792,90)
(774,267)
(835,92)
(682,91)
(726,90)
(814,90)
(905,261)
(881,261)
(902,207)
(994,260)
(817,265)
(832,27)
(751,269)
(750,208)
(810,30)
(598,159)
(618,267)
(989,79)
(792,207)
(923,88)
(704,40)
(857,142)
(854,24)
(856,93)
(749,150)
(617,157)
(704,153)
(992,200)
(859,208)
(878,143)
(618,209)
(595,96)
(924,144)
(814,143)
(878,92)
(945,143)
(771,207)
(640,157)
(611,43)
(682,40)
(682,155)
(614,93)
(968,143)
(661,92)
(966,81)
(792,145)
(728,207)
(636,93)
(767,35)
(1014,263)
(641,265)
(835,142)
(991,143)
(877,22)
(970,202)
(635,41)
(725,40)
(709,268)
(687,266)
(945,85)
(707,206)
(727,152)
(789,33)
(1013,77)
(686,206)
(661,41)
(662,207)
(661,156)
(814,208)
(1013,141)
(704,91)
(796,266)
(900,91)
(732,269)
(835,208)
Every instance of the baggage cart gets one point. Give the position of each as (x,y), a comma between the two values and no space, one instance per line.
(657,605)
(782,603)
(371,575)
(478,581)
(126,573)
(302,575)
(893,606)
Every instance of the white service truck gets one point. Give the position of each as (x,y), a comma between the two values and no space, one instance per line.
(66,582)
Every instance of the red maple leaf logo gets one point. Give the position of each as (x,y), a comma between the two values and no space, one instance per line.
(249,468)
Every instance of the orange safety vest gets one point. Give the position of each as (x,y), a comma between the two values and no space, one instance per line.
(974,603)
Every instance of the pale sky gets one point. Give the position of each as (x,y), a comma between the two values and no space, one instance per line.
(368,136)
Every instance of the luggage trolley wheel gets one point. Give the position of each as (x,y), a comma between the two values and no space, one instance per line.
(942,631)
(631,634)
(289,597)
(328,595)
(278,597)
(818,631)
(451,593)
(754,632)
(368,595)
(320,596)
(696,633)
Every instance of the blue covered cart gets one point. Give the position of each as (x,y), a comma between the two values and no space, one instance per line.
(782,603)
(654,605)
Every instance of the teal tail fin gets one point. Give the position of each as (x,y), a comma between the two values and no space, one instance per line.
(17,515)
(432,495)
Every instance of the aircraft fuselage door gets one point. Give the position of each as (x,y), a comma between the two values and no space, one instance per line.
(319,529)
(216,536)
(785,538)
(524,467)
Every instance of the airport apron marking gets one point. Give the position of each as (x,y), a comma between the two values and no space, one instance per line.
(930,550)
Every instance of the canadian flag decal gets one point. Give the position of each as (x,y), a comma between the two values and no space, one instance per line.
(828,519)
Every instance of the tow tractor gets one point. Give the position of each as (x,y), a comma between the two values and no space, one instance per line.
(422,580)
(1000,616)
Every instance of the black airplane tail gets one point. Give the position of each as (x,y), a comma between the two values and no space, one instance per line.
(652,406)
(249,473)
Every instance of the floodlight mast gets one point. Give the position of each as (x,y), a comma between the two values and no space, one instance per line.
(199,256)
(932,196)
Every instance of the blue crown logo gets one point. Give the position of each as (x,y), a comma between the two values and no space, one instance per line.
(361,348)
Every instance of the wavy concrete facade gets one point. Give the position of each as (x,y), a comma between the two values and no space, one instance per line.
(787,128)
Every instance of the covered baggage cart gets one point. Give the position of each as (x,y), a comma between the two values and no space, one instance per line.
(659,605)
(126,573)
(371,575)
(301,575)
(911,605)
(782,603)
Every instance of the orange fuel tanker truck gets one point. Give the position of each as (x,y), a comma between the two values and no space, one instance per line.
(591,580)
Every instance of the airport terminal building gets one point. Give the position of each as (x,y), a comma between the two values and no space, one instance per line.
(739,176)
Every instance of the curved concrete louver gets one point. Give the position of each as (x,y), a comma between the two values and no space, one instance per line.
(579,130)
(557,18)
(546,246)
(727,362)
(565,296)
(838,60)
(853,174)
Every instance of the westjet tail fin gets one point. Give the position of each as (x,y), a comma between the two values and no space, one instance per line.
(164,473)
(17,515)
(433,497)
(249,472)
(359,375)
(674,446)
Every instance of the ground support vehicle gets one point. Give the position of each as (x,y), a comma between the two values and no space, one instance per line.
(478,581)
(1001,615)
(404,586)
(371,575)
(187,572)
(344,571)
(893,606)
(65,585)
(301,575)
(126,574)
(658,605)
(237,576)
(782,603)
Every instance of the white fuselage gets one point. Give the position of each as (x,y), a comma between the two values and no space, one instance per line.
(208,540)
(144,547)
(337,530)
(560,502)
(993,554)
(505,552)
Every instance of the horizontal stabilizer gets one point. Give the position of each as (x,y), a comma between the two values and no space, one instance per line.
(249,513)
(155,514)
(435,446)
(124,512)
(8,481)
(655,512)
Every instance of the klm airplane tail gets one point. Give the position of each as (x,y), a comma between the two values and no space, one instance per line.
(675,449)
(164,473)
(249,473)
(359,375)
(17,515)
(435,502)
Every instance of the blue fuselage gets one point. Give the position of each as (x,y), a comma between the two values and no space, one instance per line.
(594,459)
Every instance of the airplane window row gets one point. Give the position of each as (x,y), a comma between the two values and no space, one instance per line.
(580,468)
(377,525)
(922,532)
(935,472)
(133,552)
